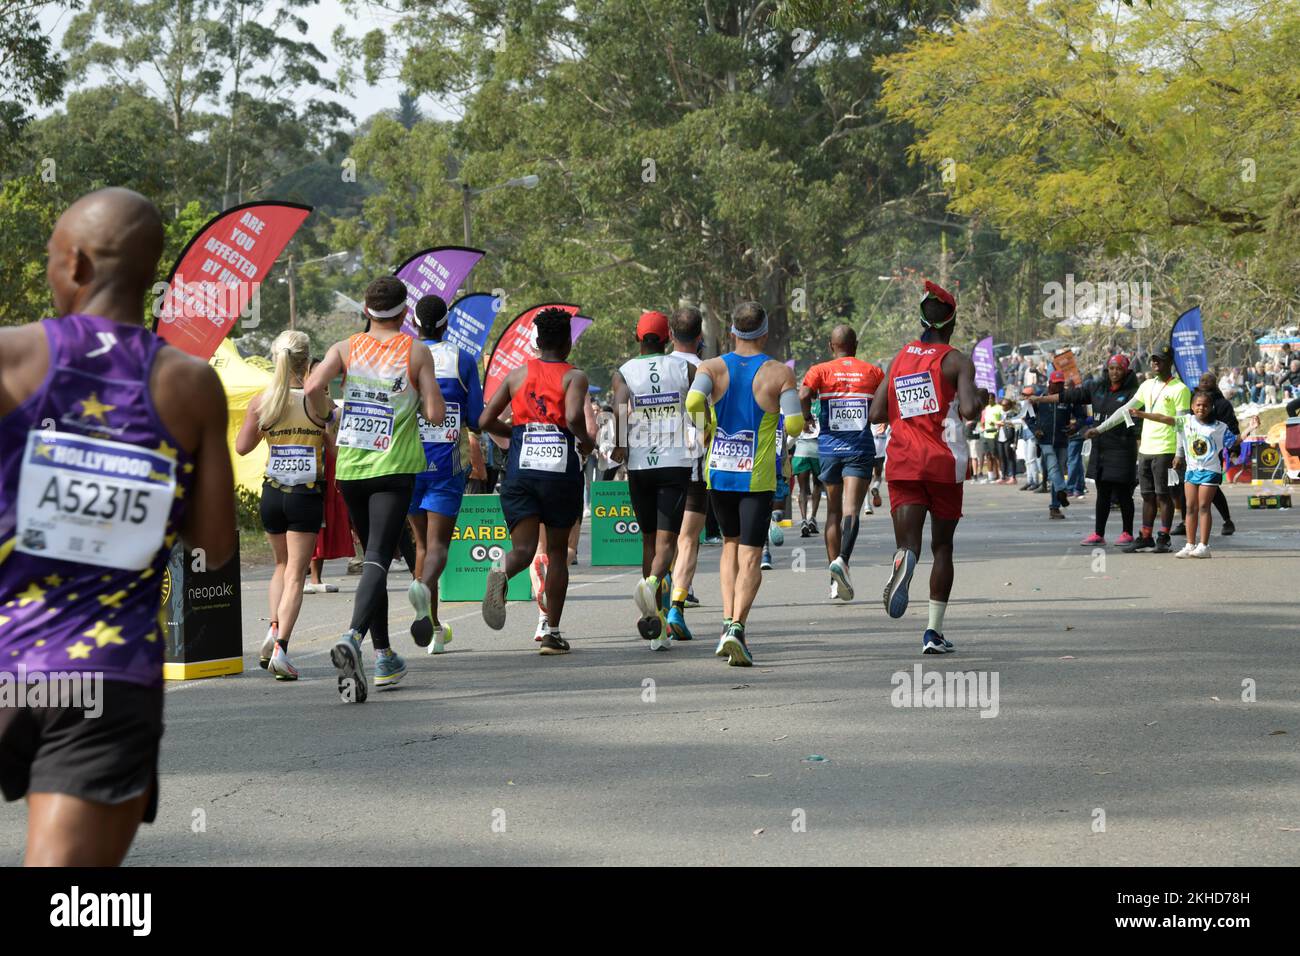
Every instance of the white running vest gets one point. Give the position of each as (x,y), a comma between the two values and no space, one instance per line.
(656,422)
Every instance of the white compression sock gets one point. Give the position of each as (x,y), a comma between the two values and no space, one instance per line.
(936,615)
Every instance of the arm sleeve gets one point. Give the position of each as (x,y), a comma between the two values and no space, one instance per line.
(1137,401)
(697,399)
(792,410)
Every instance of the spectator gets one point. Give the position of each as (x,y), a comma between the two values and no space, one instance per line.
(1221,410)
(1050,431)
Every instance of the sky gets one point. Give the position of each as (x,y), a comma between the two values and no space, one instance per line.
(363,100)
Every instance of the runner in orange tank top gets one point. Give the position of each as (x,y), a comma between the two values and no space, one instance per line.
(929,391)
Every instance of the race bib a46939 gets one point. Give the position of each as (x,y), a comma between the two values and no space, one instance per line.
(445,432)
(93,501)
(544,448)
(732,452)
(916,395)
(367,425)
(847,414)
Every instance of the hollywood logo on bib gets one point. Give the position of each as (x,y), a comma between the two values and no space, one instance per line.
(93,501)
(448,432)
(847,414)
(544,448)
(292,464)
(915,395)
(733,452)
(366,425)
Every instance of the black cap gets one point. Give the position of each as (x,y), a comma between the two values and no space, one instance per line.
(1165,354)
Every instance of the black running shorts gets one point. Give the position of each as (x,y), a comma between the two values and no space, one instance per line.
(659,497)
(556,504)
(110,758)
(301,511)
(743,514)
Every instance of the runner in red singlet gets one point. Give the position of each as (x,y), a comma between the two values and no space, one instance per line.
(930,390)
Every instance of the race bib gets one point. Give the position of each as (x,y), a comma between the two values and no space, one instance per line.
(366,425)
(544,448)
(732,452)
(93,501)
(915,395)
(656,408)
(847,414)
(446,433)
(292,464)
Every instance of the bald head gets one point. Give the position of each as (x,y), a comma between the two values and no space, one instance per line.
(103,253)
(844,341)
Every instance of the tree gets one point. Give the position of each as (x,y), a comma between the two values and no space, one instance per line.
(31,72)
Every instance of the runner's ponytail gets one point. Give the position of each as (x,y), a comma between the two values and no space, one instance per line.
(291,353)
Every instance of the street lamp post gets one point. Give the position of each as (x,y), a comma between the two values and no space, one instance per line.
(467,193)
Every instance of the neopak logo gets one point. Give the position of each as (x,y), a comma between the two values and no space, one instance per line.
(76,909)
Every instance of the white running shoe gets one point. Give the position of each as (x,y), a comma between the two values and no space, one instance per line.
(268,647)
(281,666)
(835,590)
(441,638)
(543,627)
(1188,548)
(867,509)
(1201,551)
(840,572)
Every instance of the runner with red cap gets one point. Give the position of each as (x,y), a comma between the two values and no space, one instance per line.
(930,390)
(650,409)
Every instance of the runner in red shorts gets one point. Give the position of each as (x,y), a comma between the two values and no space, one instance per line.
(930,390)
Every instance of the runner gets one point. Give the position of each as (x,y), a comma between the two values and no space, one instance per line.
(543,482)
(293,499)
(386,373)
(749,392)
(441,486)
(1168,397)
(880,438)
(687,328)
(845,386)
(650,406)
(930,391)
(806,469)
(85,398)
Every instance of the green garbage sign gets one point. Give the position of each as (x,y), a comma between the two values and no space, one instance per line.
(479,539)
(615,533)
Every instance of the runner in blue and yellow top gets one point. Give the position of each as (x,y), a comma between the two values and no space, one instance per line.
(435,503)
(749,391)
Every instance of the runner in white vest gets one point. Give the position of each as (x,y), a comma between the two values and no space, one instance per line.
(650,407)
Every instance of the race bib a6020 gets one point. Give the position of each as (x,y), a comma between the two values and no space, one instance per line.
(732,452)
(93,501)
(915,395)
(847,414)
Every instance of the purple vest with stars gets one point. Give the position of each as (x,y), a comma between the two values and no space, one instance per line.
(97,474)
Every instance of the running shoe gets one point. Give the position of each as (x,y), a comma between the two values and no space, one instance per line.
(812,523)
(896,589)
(389,669)
(713,540)
(281,666)
(1124,538)
(553,644)
(666,591)
(804,530)
(726,626)
(932,642)
(835,590)
(1187,550)
(1163,544)
(691,599)
(1201,551)
(422,601)
(840,575)
(268,646)
(1228,527)
(1093,540)
(1142,542)
(775,536)
(543,628)
(676,622)
(441,638)
(875,497)
(732,646)
(661,643)
(494,597)
(650,624)
(767,559)
(346,657)
(537,578)
(868,510)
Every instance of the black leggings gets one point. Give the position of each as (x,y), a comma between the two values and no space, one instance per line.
(377,507)
(1114,491)
(1221,503)
(1007,455)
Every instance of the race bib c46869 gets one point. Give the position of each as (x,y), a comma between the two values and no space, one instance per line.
(292,464)
(93,501)
(447,432)
(732,452)
(367,425)
(847,414)
(915,395)
(544,448)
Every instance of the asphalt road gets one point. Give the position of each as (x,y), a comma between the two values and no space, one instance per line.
(1121,735)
